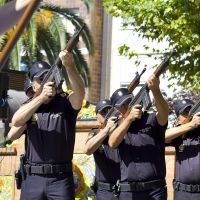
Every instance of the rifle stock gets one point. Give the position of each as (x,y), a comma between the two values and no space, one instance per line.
(142,97)
(135,82)
(55,73)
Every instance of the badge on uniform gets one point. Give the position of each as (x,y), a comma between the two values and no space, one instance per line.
(34,118)
(181,147)
(101,148)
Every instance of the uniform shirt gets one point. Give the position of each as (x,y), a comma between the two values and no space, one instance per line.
(106,161)
(188,157)
(142,151)
(51,132)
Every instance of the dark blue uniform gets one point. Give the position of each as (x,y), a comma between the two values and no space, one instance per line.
(142,155)
(107,167)
(187,165)
(50,141)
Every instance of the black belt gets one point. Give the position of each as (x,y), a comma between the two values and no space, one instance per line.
(140,186)
(184,187)
(47,168)
(104,186)
(132,186)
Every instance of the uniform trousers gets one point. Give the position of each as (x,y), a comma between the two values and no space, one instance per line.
(183,195)
(159,193)
(105,195)
(58,186)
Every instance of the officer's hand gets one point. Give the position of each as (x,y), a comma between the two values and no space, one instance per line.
(196,120)
(153,82)
(111,122)
(67,58)
(49,90)
(136,112)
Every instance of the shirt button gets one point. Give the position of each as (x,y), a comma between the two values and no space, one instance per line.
(191,169)
(137,158)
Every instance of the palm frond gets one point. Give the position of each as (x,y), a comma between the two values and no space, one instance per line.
(82,66)
(77,22)
(32,33)
(48,43)
(2,41)
(88,4)
(57,29)
(15,57)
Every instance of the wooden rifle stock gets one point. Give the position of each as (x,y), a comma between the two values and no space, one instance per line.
(134,83)
(18,31)
(58,63)
(163,65)
(159,70)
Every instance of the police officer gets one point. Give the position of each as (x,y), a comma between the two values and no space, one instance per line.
(141,141)
(107,170)
(187,181)
(50,120)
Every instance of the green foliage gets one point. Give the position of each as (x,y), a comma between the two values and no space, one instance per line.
(176,22)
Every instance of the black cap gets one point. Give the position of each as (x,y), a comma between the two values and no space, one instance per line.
(103,104)
(38,69)
(120,96)
(27,85)
(182,105)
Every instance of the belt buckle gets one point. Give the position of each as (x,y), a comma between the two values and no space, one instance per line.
(194,188)
(176,184)
(47,169)
(138,186)
(133,186)
(116,188)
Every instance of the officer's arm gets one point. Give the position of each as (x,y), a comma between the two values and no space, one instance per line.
(25,112)
(11,12)
(16,132)
(95,142)
(76,82)
(172,133)
(118,134)
(161,105)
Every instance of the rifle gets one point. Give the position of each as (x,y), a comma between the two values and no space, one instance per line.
(195,109)
(112,112)
(55,72)
(142,97)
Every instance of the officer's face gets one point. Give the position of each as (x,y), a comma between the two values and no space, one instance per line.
(36,83)
(184,114)
(124,107)
(29,93)
(102,114)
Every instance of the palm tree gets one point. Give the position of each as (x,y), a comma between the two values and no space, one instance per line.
(45,36)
